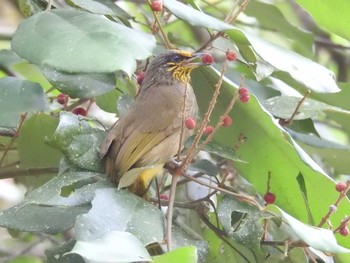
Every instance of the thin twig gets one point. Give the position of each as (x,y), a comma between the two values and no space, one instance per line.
(183,122)
(296,111)
(342,195)
(246,198)
(193,149)
(28,172)
(231,18)
(165,37)
(172,194)
(343,224)
(49,5)
(15,136)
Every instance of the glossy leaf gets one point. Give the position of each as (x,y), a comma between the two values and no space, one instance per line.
(242,222)
(113,247)
(284,107)
(79,85)
(119,210)
(78,141)
(262,143)
(318,238)
(102,7)
(18,96)
(194,17)
(320,11)
(183,255)
(85,43)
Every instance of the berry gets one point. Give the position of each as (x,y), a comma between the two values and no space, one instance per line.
(340,187)
(157,5)
(207,59)
(244,98)
(79,111)
(140,77)
(231,56)
(269,198)
(243,91)
(208,130)
(344,231)
(190,123)
(62,99)
(226,121)
(164,197)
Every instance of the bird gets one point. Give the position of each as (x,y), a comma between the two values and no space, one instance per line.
(149,132)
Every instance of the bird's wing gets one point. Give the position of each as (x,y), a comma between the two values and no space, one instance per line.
(148,122)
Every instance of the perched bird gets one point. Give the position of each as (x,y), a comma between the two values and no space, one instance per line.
(149,132)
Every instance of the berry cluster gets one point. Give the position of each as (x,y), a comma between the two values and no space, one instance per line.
(63,100)
(243,94)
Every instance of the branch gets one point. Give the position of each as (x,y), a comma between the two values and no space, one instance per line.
(28,172)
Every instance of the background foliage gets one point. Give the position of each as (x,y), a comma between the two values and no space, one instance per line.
(92,50)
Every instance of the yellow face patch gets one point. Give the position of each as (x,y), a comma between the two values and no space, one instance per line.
(185,53)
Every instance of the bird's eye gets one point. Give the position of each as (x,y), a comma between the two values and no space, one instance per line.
(176,58)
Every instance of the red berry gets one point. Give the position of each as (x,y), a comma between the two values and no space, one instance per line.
(269,198)
(226,121)
(208,130)
(62,99)
(340,187)
(244,98)
(231,56)
(243,91)
(207,59)
(157,5)
(79,111)
(344,231)
(140,77)
(163,197)
(190,123)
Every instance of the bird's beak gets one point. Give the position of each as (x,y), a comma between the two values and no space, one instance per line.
(197,60)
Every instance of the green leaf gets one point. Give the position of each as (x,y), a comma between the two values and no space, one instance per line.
(247,228)
(322,13)
(31,7)
(8,57)
(18,96)
(119,210)
(26,259)
(78,141)
(102,7)
(229,251)
(107,101)
(85,43)
(182,239)
(45,219)
(32,147)
(79,85)
(46,210)
(262,143)
(205,166)
(317,238)
(195,17)
(284,106)
(33,150)
(216,148)
(272,19)
(184,255)
(113,247)
(288,64)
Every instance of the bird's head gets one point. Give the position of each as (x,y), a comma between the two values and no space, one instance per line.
(174,65)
